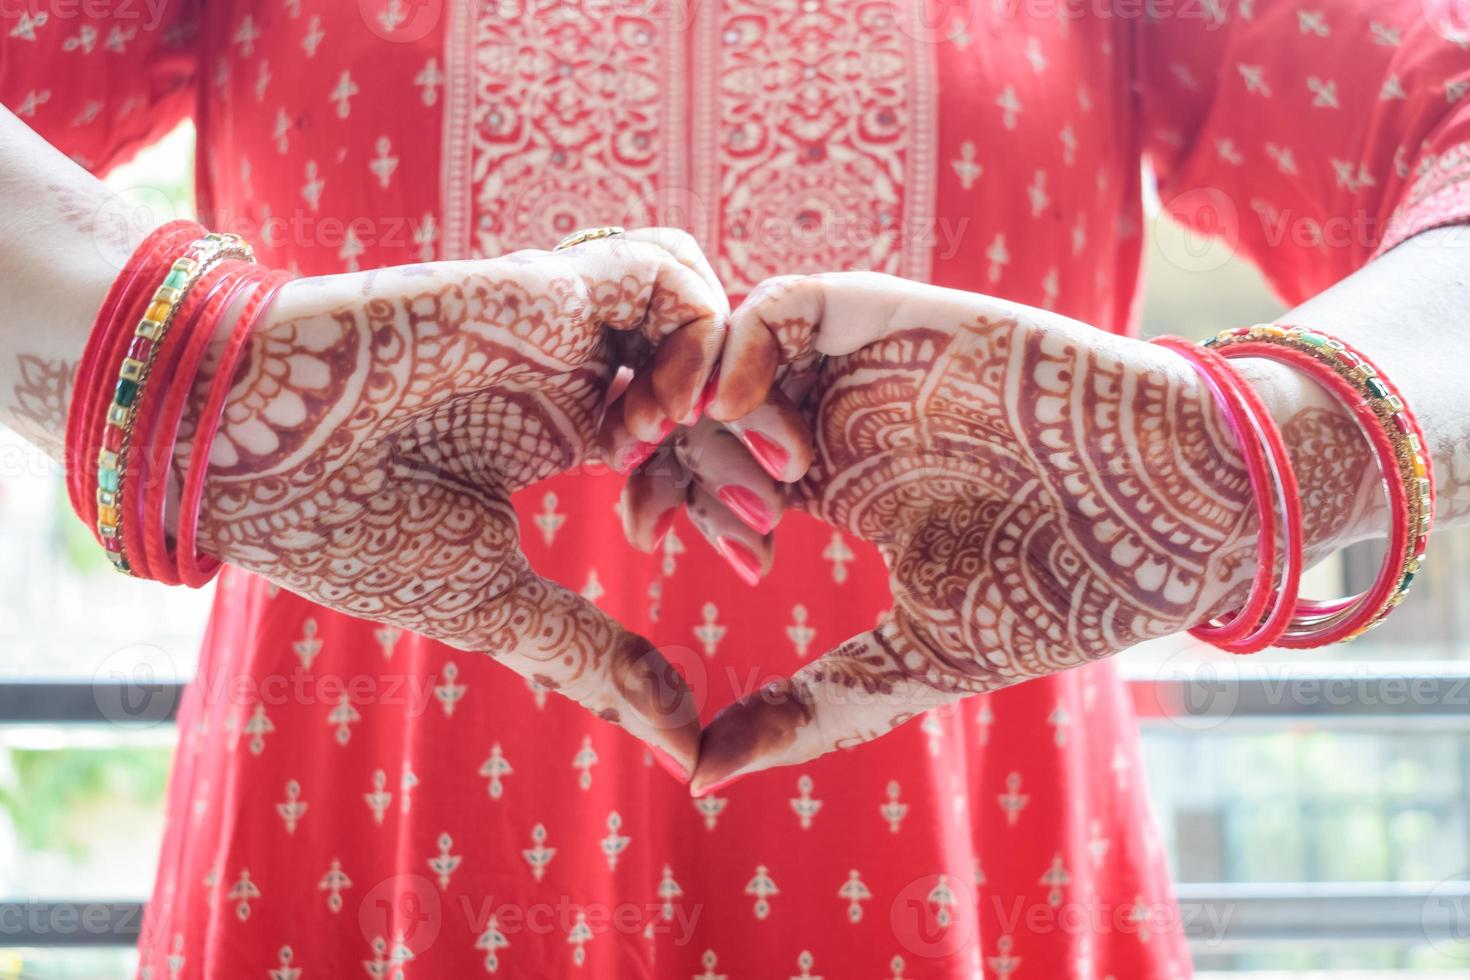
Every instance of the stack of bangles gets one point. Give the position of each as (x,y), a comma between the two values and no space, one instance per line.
(1273,614)
(135,392)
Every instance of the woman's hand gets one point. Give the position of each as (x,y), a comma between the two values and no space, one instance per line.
(382,420)
(1043,493)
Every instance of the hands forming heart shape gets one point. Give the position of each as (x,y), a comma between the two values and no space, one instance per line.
(1043,493)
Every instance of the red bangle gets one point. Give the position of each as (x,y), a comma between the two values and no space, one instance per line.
(1394,435)
(1252,628)
(134,378)
(194,570)
(106,344)
(145,478)
(195,323)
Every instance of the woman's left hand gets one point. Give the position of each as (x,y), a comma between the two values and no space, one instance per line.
(1043,493)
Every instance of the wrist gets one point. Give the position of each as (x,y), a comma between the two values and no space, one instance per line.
(1332,465)
(1337,476)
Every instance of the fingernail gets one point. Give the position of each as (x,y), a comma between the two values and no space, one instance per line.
(713,787)
(748,506)
(664,428)
(669,763)
(767,451)
(662,525)
(740,558)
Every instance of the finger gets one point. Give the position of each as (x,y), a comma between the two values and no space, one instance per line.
(724,467)
(745,551)
(636,285)
(833,313)
(862,689)
(464,581)
(569,646)
(753,349)
(622,450)
(776,437)
(651,500)
(643,416)
(685,249)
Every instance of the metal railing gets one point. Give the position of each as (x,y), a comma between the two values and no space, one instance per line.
(1217,917)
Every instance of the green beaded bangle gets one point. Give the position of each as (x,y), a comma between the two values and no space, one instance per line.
(133,373)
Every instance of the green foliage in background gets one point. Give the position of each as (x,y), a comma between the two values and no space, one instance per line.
(43,792)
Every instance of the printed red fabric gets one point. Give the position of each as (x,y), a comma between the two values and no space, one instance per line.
(348,799)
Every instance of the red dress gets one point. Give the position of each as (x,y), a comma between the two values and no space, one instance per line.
(348,800)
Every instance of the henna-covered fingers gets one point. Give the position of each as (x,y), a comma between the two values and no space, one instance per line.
(566,644)
(852,694)
(638,285)
(1043,495)
(652,497)
(776,437)
(717,460)
(745,550)
(381,422)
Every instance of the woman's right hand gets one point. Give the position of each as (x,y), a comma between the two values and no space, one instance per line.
(1043,494)
(382,420)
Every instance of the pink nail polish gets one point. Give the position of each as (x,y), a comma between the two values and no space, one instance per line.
(748,506)
(769,453)
(669,764)
(664,428)
(740,558)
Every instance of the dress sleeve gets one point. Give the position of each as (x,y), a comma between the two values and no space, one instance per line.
(101,79)
(1315,135)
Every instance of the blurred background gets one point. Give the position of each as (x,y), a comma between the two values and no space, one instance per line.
(1315,806)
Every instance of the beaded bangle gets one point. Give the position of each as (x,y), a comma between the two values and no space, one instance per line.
(1267,609)
(133,374)
(106,344)
(1398,443)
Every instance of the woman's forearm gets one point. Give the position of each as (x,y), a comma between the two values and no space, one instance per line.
(1409,311)
(61,245)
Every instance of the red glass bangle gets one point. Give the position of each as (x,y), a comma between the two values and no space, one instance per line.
(1397,443)
(195,570)
(1252,627)
(1286,597)
(195,323)
(1320,623)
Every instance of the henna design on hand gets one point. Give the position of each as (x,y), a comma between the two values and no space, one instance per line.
(1043,495)
(378,426)
(42,393)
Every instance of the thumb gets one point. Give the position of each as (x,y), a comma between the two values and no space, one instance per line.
(852,694)
(570,646)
